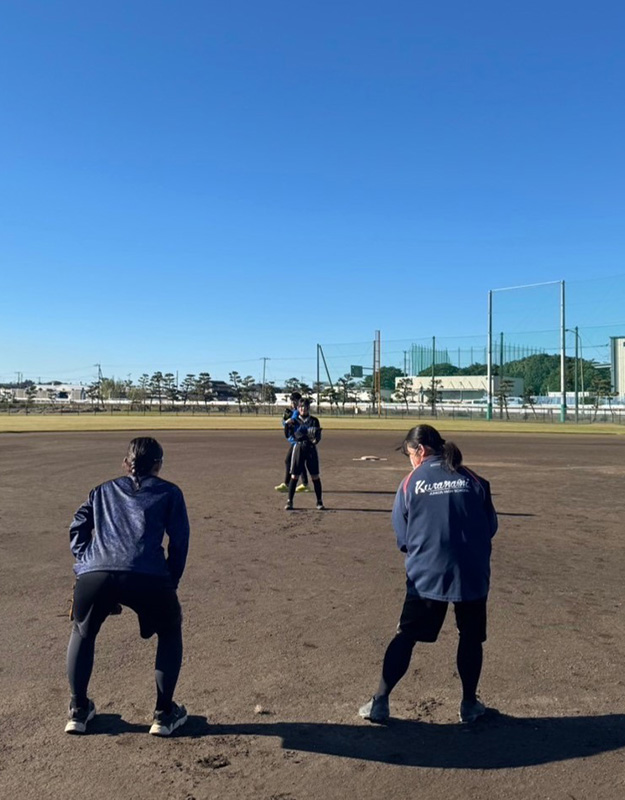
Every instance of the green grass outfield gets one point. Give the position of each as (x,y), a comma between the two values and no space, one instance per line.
(53,423)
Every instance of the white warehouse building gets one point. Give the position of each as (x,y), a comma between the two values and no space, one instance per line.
(461,387)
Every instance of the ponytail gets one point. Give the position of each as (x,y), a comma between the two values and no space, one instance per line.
(143,453)
(452,456)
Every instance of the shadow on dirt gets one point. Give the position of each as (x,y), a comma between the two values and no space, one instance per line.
(496,742)
(362,510)
(513,514)
(359,491)
(313,510)
(113,724)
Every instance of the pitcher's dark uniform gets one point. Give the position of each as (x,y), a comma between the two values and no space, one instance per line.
(304,433)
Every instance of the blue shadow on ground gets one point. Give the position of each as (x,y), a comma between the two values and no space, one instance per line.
(496,742)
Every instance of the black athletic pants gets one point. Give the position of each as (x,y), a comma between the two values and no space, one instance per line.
(155,602)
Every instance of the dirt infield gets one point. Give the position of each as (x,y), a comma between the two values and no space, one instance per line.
(288,615)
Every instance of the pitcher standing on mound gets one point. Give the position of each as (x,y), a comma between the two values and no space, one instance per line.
(305,431)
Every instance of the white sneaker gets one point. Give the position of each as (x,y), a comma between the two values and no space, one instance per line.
(79,717)
(376,710)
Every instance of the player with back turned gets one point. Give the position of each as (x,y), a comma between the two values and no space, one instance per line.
(116,537)
(444,521)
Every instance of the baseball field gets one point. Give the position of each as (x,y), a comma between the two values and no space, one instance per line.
(287,617)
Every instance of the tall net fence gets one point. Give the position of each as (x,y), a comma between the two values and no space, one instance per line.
(526,321)
(526,325)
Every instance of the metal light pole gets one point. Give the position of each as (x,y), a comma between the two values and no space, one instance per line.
(433,385)
(579,369)
(377,369)
(265,359)
(575,373)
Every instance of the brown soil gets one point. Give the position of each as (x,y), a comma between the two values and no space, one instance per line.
(286,621)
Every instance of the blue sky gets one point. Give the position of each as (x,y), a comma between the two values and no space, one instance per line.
(197,185)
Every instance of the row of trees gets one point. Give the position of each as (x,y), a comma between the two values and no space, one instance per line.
(541,373)
(159,387)
(161,390)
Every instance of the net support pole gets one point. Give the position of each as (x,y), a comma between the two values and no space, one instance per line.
(576,373)
(562,355)
(318,379)
(377,369)
(489,360)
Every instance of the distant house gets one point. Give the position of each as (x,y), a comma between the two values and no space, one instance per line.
(222,390)
(62,392)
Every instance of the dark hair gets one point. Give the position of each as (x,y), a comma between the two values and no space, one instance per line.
(143,453)
(295,397)
(427,436)
(305,402)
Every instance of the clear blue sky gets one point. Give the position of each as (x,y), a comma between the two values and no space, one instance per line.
(196,185)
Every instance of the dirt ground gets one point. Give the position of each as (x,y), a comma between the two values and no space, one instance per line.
(291,613)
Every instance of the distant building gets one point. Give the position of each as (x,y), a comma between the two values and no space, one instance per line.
(457,388)
(62,392)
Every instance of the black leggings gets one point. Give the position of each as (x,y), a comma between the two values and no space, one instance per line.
(154,600)
(399,652)
(80,655)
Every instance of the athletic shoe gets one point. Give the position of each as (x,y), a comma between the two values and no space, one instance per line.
(376,710)
(282,487)
(288,506)
(469,712)
(320,507)
(303,487)
(165,724)
(78,718)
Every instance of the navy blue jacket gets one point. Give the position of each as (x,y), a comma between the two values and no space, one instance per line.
(121,528)
(299,430)
(444,522)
